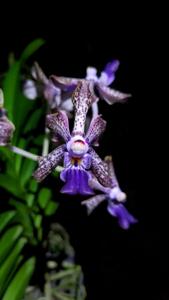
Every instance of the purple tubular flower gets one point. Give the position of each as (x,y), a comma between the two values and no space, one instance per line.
(122,214)
(108,74)
(100,84)
(76,150)
(112,194)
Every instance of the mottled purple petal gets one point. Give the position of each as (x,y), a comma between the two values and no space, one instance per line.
(64,83)
(96,128)
(99,170)
(76,181)
(82,98)
(96,185)
(6,129)
(111,96)
(124,217)
(59,124)
(38,74)
(93,202)
(48,163)
(52,94)
(110,168)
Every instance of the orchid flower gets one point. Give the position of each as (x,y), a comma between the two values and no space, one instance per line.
(99,84)
(6,126)
(41,86)
(113,195)
(79,157)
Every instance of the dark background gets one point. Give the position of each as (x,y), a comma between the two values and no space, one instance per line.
(117,264)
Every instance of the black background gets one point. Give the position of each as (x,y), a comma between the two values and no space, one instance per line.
(117,264)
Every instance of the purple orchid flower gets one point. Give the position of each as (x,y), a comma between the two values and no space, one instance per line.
(6,126)
(78,155)
(41,86)
(100,84)
(114,196)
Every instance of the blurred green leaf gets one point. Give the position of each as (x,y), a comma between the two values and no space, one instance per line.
(28,167)
(8,240)
(31,49)
(18,158)
(51,208)
(33,120)
(33,185)
(9,263)
(18,285)
(10,86)
(43,197)
(5,218)
(12,185)
(24,217)
(30,199)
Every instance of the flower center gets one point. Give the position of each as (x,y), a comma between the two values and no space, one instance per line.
(77,146)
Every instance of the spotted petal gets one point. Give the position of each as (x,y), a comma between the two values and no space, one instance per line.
(93,202)
(110,168)
(111,96)
(59,124)
(99,170)
(96,128)
(48,163)
(82,98)
(96,185)
(6,129)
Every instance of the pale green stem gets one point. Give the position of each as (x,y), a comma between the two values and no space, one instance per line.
(45,148)
(30,155)
(24,153)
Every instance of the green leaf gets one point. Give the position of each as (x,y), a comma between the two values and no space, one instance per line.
(18,285)
(9,263)
(19,158)
(27,169)
(33,185)
(12,185)
(51,208)
(24,107)
(24,217)
(33,120)
(5,218)
(8,240)
(43,197)
(30,199)
(31,48)
(10,86)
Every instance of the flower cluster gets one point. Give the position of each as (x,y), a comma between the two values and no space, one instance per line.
(83,171)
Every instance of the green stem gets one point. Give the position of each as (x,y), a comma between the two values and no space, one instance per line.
(24,153)
(45,148)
